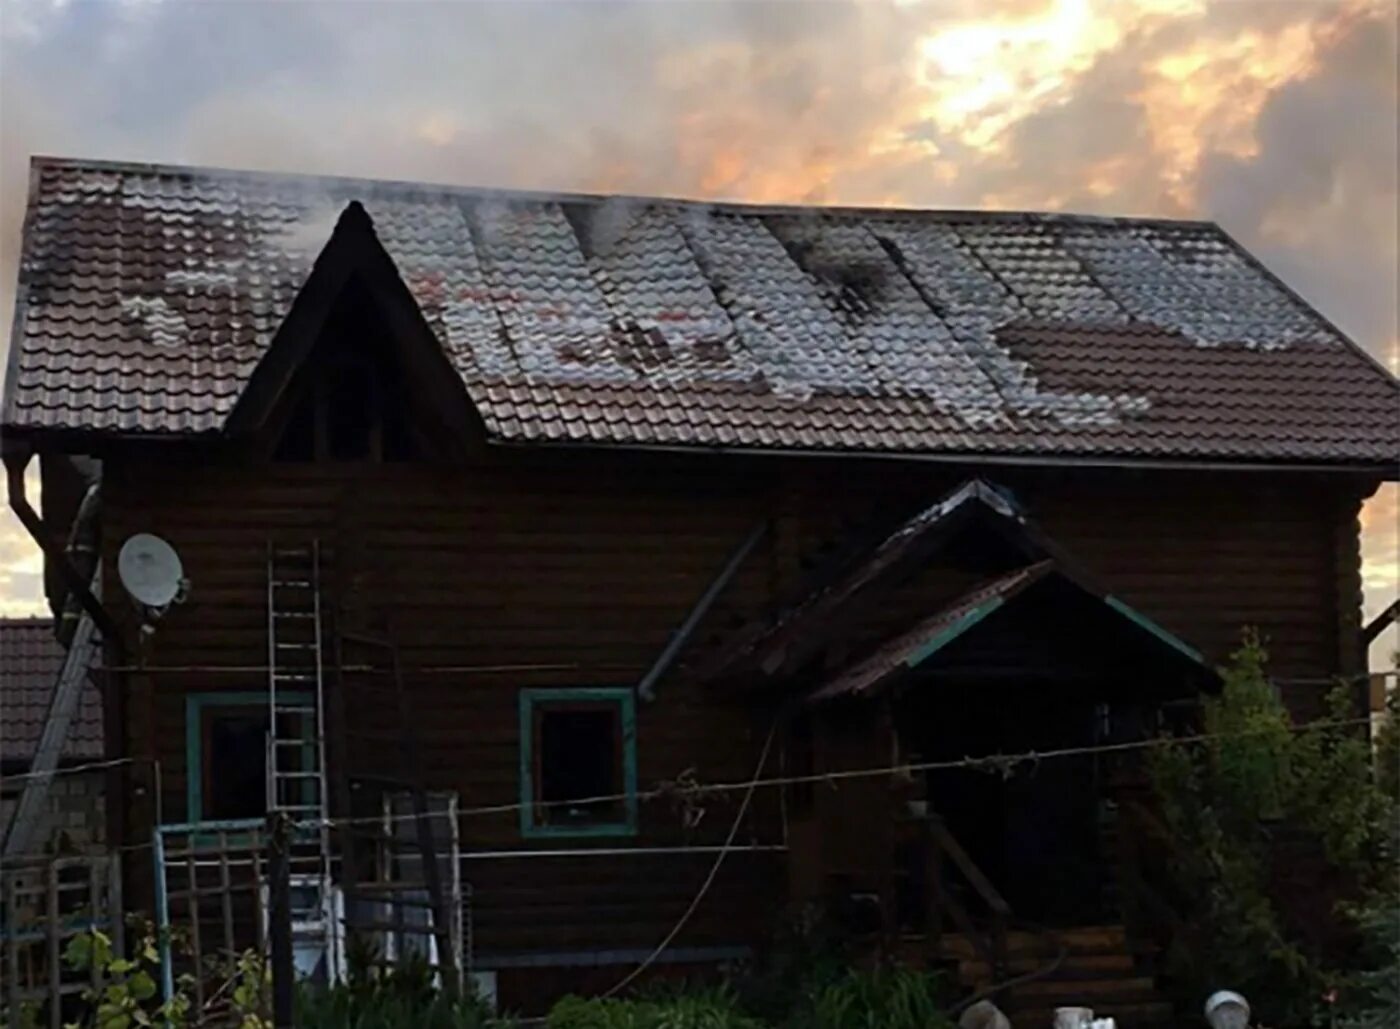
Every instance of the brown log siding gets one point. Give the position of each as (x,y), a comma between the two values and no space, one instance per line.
(591,561)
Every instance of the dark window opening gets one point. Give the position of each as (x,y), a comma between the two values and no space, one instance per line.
(352,401)
(351,412)
(299,437)
(578,755)
(234,760)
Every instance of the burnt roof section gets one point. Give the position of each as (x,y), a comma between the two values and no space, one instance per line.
(148,295)
(30,660)
(902,653)
(780,645)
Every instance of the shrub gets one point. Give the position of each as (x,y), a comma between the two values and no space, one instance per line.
(1228,803)
(888,997)
(403,996)
(707,1009)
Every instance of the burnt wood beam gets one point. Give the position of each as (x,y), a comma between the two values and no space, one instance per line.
(15,465)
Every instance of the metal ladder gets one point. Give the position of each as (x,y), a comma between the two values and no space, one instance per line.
(296,741)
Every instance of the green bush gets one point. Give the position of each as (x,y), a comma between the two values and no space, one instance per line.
(405,996)
(705,1009)
(1227,802)
(886,998)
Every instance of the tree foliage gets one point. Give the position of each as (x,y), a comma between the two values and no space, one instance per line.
(1257,784)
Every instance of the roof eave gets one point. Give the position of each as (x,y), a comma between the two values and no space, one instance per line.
(1385,470)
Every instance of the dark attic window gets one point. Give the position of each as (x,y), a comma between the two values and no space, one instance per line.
(578,745)
(351,401)
(352,411)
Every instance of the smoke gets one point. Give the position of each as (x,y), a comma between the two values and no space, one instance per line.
(1276,119)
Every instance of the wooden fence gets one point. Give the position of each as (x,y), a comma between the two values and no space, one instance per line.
(46,902)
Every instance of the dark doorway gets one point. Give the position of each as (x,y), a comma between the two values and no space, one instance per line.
(1032,828)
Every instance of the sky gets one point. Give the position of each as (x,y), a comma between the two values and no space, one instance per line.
(1276,119)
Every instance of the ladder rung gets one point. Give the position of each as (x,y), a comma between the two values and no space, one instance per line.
(293,743)
(294,614)
(296,646)
(293,677)
(297,709)
(296,775)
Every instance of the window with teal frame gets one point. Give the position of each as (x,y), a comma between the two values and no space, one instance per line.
(576,746)
(226,754)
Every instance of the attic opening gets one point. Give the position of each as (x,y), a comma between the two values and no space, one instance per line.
(350,398)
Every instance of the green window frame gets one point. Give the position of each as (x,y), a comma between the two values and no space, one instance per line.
(532,702)
(196,704)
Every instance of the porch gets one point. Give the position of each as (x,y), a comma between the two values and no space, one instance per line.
(997,826)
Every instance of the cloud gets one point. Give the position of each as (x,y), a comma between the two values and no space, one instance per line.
(21,565)
(1276,119)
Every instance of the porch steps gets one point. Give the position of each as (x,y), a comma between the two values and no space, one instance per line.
(1101,969)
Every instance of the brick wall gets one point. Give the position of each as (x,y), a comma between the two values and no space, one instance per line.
(74,817)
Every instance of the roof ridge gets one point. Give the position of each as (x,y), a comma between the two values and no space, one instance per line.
(410,187)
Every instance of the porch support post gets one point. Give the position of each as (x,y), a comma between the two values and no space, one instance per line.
(933,873)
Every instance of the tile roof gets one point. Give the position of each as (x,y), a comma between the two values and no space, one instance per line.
(30,659)
(148,294)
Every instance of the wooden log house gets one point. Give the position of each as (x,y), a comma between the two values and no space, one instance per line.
(648,495)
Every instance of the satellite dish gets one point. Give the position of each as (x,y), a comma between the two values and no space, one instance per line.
(150,570)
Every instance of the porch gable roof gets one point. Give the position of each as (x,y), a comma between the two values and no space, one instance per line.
(910,649)
(810,622)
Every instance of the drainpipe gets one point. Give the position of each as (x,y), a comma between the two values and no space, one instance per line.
(15,465)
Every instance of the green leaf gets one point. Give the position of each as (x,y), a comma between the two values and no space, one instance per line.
(78,953)
(142,986)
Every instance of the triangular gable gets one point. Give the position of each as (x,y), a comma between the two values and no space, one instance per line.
(781,645)
(354,258)
(901,654)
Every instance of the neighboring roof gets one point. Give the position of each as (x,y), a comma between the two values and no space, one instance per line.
(912,648)
(148,294)
(30,660)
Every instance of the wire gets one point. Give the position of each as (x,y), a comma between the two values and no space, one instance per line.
(71,769)
(1001,763)
(709,879)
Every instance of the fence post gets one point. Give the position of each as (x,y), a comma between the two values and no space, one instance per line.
(280,917)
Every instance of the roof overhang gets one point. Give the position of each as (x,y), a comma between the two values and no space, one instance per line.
(1130,641)
(778,647)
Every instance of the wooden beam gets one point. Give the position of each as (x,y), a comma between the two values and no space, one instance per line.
(15,464)
(1378,625)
